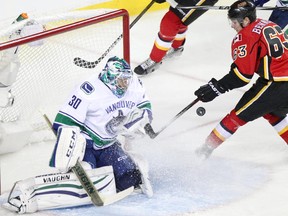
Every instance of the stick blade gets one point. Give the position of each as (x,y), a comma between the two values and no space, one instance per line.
(83,63)
(149,131)
(118,196)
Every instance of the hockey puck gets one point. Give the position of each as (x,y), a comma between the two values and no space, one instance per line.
(200,111)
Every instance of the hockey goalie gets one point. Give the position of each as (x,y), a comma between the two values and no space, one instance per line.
(9,59)
(99,114)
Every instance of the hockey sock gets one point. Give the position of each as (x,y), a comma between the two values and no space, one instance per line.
(226,128)
(180,38)
(170,26)
(279,124)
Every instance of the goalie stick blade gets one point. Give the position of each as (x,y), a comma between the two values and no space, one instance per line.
(118,196)
(149,131)
(83,63)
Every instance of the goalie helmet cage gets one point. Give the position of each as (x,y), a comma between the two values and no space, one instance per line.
(47,73)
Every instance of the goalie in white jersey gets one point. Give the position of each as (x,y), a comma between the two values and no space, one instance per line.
(111,103)
(97,111)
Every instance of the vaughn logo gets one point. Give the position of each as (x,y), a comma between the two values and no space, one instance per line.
(56,178)
(53,178)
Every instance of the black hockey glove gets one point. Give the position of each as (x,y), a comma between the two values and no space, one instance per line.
(159,1)
(210,91)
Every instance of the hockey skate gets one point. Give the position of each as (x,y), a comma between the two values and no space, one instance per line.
(150,66)
(174,52)
(147,67)
(204,151)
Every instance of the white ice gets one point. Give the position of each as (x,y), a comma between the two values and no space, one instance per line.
(247,175)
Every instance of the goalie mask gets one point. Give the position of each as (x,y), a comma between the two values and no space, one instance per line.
(116,75)
(241,9)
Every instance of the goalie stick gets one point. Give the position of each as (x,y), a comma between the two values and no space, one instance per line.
(152,134)
(226,7)
(88,186)
(87,64)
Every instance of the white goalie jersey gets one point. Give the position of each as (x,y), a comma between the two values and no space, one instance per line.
(98,112)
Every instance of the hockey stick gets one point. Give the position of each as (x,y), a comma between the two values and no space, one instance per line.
(88,186)
(87,64)
(149,130)
(226,7)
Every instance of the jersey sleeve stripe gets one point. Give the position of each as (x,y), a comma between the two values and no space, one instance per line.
(240,76)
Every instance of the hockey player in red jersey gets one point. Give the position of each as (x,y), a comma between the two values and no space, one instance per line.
(171,37)
(261,47)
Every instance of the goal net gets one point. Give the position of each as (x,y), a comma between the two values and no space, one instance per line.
(47,73)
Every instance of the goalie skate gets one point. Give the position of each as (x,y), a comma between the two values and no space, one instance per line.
(147,67)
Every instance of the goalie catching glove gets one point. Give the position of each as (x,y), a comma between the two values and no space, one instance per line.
(210,91)
(133,124)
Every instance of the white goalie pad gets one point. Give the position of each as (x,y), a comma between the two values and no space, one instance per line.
(33,27)
(9,66)
(70,146)
(58,190)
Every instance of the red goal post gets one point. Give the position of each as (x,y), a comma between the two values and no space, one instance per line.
(74,26)
(47,73)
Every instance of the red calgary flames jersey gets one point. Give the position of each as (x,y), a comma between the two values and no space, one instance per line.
(261,48)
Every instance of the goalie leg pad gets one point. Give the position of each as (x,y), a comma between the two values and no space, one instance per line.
(58,190)
(20,199)
(33,27)
(9,66)
(70,147)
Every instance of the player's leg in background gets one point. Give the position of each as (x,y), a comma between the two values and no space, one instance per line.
(280,17)
(279,123)
(224,130)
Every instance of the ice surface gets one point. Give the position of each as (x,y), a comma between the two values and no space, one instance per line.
(247,175)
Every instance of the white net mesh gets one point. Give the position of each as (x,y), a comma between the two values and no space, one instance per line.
(47,72)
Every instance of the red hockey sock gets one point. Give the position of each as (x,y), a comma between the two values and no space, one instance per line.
(170,26)
(279,124)
(180,37)
(226,128)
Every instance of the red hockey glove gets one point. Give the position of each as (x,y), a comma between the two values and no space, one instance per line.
(210,91)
